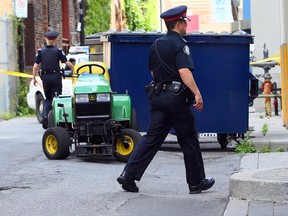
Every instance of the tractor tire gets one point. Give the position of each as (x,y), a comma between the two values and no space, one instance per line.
(55,143)
(126,144)
(51,119)
(223,140)
(39,107)
(134,122)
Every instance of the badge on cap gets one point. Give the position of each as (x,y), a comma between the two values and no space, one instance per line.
(174,14)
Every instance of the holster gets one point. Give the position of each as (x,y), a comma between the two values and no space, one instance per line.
(149,89)
(40,73)
(188,94)
(153,89)
(62,73)
(157,88)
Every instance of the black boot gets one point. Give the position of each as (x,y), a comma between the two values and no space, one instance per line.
(205,184)
(127,182)
(45,123)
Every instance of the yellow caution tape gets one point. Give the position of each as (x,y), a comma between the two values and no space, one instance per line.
(275,60)
(25,75)
(18,74)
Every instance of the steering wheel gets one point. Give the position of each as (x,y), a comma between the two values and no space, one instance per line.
(90,68)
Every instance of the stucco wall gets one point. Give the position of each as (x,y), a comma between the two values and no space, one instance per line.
(8,84)
(6,7)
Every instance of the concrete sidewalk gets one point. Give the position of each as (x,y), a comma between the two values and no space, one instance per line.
(261,185)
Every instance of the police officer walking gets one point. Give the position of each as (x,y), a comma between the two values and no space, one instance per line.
(50,57)
(171,66)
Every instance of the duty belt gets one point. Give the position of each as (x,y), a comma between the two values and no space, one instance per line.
(50,71)
(167,86)
(174,86)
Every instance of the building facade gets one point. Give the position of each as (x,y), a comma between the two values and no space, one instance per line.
(42,15)
(8,59)
(206,15)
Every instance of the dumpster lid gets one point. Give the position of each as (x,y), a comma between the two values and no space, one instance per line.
(238,37)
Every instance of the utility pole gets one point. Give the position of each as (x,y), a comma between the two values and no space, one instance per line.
(80,27)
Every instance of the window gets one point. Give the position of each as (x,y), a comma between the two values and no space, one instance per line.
(222,11)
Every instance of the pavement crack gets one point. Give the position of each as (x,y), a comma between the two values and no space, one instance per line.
(5,188)
(258,158)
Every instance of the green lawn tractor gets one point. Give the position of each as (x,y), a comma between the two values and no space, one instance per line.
(94,121)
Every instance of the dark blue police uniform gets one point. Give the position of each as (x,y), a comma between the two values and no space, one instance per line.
(168,54)
(167,110)
(49,57)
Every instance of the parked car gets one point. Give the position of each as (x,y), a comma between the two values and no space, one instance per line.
(78,54)
(35,96)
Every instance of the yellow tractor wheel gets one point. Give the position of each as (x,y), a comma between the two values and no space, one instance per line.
(126,144)
(56,143)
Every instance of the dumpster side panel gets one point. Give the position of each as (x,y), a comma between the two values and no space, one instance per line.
(129,71)
(221,72)
(222,77)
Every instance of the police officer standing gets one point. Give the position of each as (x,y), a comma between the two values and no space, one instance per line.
(171,66)
(50,57)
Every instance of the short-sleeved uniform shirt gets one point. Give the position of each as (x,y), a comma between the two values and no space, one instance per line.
(175,54)
(49,57)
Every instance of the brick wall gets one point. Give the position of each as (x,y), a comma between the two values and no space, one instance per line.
(74,19)
(48,16)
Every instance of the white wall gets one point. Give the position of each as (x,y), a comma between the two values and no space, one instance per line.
(266,27)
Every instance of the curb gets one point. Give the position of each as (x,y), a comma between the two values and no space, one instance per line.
(262,184)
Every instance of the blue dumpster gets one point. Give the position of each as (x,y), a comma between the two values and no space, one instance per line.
(221,72)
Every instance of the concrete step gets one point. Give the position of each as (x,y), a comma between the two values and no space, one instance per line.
(262,176)
(260,184)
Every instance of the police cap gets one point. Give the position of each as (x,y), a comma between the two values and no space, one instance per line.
(174,14)
(51,35)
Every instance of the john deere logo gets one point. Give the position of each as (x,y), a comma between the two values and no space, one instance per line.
(92,97)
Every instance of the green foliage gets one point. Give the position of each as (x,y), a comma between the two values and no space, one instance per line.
(140,14)
(22,88)
(6,116)
(18,28)
(246,146)
(22,108)
(264,129)
(266,149)
(280,149)
(137,14)
(150,14)
(98,16)
(133,14)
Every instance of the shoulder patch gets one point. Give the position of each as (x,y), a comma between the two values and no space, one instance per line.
(186,50)
(184,40)
(38,51)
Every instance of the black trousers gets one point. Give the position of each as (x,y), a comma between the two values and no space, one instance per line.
(52,83)
(168,110)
